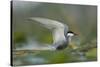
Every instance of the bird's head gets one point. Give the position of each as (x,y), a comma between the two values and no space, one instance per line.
(70,34)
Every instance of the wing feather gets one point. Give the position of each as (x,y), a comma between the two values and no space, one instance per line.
(48,22)
(58,28)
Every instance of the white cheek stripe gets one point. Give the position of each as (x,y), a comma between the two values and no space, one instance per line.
(70,34)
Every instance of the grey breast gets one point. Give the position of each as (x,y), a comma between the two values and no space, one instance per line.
(62,46)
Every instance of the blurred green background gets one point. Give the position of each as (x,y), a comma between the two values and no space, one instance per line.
(81,19)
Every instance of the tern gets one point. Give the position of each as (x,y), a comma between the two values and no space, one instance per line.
(61,35)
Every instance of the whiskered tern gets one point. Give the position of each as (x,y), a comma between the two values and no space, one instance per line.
(61,34)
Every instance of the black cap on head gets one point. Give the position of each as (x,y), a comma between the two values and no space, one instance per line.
(70,32)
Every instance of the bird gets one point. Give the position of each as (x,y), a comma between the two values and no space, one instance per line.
(60,32)
(61,35)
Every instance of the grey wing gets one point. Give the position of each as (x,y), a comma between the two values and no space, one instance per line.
(58,28)
(48,23)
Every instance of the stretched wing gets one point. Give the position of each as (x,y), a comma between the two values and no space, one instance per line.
(48,23)
(57,28)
